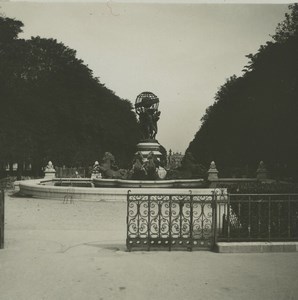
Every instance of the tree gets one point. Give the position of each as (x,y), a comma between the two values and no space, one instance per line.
(9,29)
(53,108)
(289,27)
(254,117)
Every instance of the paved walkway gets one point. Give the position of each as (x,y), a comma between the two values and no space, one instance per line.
(77,251)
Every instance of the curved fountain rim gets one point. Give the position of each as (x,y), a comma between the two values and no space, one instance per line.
(169,184)
(37,188)
(150,181)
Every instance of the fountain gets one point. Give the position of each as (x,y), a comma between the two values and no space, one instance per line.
(161,213)
(147,170)
(108,182)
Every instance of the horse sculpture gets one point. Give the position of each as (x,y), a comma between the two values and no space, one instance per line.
(138,171)
(109,169)
(151,166)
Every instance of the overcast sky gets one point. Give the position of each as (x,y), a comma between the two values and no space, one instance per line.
(181,52)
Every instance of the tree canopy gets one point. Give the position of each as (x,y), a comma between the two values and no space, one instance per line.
(254,116)
(53,108)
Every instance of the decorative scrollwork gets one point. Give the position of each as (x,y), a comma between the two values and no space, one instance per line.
(172,220)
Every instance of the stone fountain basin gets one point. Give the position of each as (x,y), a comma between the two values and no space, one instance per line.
(46,189)
(175,183)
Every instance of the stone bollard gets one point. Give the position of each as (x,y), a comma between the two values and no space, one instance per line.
(96,171)
(49,172)
(262,172)
(212,172)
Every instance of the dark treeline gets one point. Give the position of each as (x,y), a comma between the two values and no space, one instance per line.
(255,116)
(52,108)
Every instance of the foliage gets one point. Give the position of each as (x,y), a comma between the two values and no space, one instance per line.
(53,108)
(254,117)
(289,27)
(189,169)
(259,187)
(9,29)
(7,183)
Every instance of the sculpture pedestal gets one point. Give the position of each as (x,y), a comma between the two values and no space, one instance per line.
(49,174)
(262,172)
(147,166)
(96,175)
(212,172)
(145,147)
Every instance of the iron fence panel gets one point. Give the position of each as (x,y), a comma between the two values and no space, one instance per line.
(260,217)
(170,221)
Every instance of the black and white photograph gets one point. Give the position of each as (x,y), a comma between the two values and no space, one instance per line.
(148,150)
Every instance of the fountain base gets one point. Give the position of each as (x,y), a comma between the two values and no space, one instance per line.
(147,146)
(62,188)
(177,183)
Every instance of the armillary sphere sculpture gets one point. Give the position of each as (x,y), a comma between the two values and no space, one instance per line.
(146,107)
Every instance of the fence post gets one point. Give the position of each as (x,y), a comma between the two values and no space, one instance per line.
(128,246)
(1,219)
(191,220)
(228,216)
(214,210)
(289,216)
(149,223)
(269,219)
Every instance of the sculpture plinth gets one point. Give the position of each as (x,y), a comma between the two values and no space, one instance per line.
(212,172)
(49,171)
(262,173)
(145,147)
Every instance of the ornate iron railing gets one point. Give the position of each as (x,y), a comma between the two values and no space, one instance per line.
(1,219)
(260,217)
(170,221)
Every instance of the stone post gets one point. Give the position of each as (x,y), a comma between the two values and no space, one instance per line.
(96,171)
(262,172)
(212,172)
(49,172)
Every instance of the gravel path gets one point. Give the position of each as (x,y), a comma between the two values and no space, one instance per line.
(77,251)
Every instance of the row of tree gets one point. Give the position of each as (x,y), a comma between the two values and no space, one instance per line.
(53,108)
(255,116)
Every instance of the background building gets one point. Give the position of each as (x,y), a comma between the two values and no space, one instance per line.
(174,159)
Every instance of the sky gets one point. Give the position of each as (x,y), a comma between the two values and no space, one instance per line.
(180,52)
